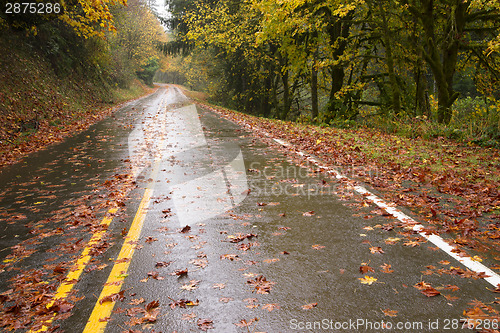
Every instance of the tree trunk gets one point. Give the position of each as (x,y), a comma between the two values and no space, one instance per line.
(314,89)
(338,31)
(422,105)
(337,75)
(287,101)
(442,59)
(396,94)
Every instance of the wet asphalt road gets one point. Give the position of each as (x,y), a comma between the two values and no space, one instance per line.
(310,235)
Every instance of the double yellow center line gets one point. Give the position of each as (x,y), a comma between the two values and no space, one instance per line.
(98,319)
(102,310)
(77,269)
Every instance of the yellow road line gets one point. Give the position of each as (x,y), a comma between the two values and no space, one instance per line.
(98,319)
(77,269)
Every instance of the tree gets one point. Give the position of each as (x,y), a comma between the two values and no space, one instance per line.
(87,18)
(135,43)
(313,36)
(446,31)
(273,52)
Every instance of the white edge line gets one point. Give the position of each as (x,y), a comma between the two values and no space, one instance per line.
(475,266)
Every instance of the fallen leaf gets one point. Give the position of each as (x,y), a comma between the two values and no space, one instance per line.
(390,313)
(450,297)
(219,286)
(240,237)
(268,261)
(369,280)
(136,301)
(113,297)
(270,307)
(162,264)
(231,257)
(364,268)
(155,275)
(412,243)
(180,272)
(376,249)
(452,287)
(205,324)
(193,284)
(252,303)
(186,229)
(309,306)
(188,316)
(427,289)
(152,305)
(386,268)
(245,323)
(202,262)
(182,303)
(392,240)
(150,239)
(261,285)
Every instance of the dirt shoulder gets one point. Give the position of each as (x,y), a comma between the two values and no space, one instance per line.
(451,188)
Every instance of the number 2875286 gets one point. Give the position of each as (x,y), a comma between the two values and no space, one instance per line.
(32,8)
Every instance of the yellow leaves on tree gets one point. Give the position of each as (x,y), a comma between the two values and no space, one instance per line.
(90,18)
(139,31)
(220,26)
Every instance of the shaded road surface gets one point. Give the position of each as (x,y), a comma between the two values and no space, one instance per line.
(210,228)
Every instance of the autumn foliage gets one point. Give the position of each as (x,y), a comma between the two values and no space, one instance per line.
(395,65)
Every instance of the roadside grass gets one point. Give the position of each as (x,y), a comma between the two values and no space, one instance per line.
(474,122)
(439,155)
